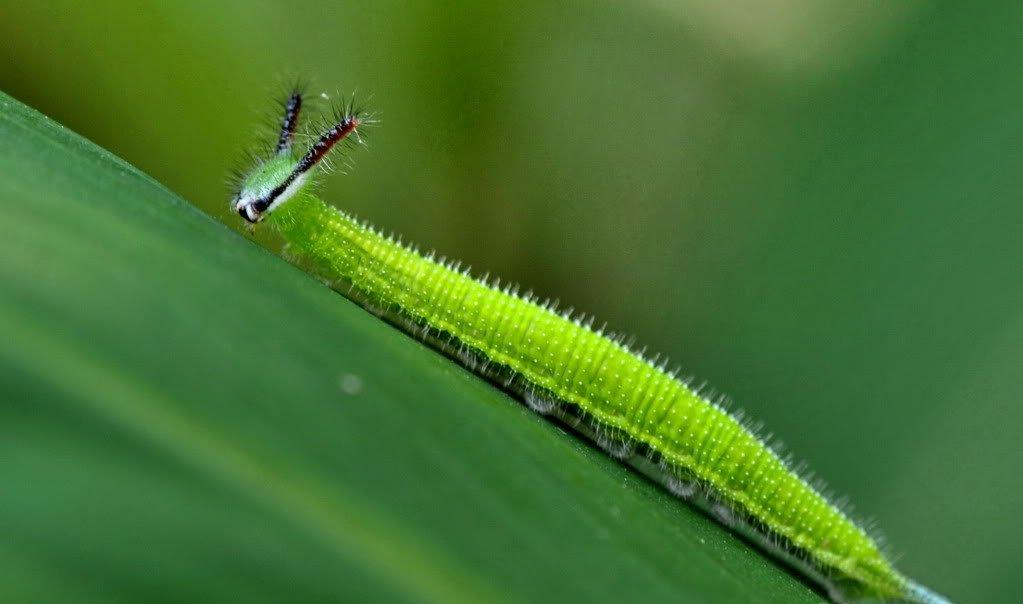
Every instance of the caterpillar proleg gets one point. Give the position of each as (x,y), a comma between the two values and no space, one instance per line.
(560,366)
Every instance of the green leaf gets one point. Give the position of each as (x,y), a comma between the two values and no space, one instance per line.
(187,417)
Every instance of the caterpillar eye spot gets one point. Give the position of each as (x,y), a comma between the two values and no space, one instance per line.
(247,210)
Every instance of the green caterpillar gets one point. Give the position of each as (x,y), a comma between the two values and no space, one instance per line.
(632,407)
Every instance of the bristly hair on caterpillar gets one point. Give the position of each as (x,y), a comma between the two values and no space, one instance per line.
(280,176)
(594,382)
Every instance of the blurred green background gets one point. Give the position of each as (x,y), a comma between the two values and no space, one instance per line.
(813,205)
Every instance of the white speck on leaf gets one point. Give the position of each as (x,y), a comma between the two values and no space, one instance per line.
(350,383)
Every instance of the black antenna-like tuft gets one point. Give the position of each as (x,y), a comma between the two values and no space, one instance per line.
(292,108)
(344,126)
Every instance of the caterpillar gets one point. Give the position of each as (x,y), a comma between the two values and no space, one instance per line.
(560,366)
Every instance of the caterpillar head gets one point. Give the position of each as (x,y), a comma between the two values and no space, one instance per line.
(276,180)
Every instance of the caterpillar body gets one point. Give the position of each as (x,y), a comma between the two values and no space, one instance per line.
(632,407)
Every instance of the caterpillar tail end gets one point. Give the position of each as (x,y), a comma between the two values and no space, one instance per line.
(918,594)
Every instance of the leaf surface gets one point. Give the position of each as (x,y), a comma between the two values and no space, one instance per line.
(187,417)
